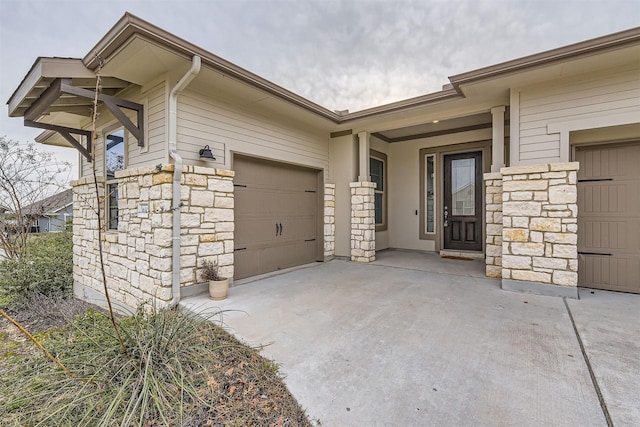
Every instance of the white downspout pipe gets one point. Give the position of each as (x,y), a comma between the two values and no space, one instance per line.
(177,175)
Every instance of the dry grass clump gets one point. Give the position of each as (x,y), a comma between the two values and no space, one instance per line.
(183,371)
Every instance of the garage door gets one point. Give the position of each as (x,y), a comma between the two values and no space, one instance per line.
(276,216)
(609,217)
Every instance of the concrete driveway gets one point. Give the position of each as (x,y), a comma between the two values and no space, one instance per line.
(381,345)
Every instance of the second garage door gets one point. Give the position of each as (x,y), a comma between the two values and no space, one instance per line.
(609,216)
(276,216)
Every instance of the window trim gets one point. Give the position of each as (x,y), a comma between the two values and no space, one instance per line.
(434,185)
(377,155)
(109,182)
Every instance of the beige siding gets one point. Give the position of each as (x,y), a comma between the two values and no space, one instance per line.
(612,92)
(225,128)
(154,102)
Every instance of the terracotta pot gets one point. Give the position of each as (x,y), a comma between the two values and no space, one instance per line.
(218,289)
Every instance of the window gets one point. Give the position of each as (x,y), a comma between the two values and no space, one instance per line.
(429,197)
(377,169)
(463,184)
(114,162)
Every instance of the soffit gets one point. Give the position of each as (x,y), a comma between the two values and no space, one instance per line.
(592,64)
(439,127)
(67,109)
(42,74)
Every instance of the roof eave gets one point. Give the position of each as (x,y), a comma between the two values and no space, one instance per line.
(587,47)
(443,95)
(44,67)
(130,25)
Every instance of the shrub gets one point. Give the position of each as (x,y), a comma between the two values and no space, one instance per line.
(183,371)
(46,269)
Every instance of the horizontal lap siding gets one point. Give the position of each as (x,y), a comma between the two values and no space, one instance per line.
(612,92)
(154,102)
(156,126)
(225,128)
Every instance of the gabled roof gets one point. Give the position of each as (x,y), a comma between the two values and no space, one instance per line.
(50,205)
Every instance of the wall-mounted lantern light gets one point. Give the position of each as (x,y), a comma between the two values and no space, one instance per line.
(205,153)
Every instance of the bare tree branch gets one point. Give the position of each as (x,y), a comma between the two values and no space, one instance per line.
(27,175)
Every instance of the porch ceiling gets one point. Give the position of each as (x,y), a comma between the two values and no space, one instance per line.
(436,128)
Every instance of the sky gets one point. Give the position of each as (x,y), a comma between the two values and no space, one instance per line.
(341,54)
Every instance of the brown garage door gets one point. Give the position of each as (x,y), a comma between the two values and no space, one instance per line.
(276,216)
(609,216)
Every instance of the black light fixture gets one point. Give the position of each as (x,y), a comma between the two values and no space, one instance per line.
(205,153)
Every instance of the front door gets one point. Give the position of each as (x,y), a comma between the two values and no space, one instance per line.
(463,201)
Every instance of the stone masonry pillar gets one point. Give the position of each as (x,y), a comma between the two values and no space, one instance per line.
(493,207)
(329,220)
(363,224)
(539,229)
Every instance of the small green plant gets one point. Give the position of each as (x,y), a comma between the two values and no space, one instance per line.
(210,271)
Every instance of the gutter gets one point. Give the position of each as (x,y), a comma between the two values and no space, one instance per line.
(177,176)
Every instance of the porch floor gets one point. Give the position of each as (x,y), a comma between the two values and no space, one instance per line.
(431,262)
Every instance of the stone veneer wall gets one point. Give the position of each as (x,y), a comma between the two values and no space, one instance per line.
(539,222)
(493,209)
(329,220)
(138,254)
(363,227)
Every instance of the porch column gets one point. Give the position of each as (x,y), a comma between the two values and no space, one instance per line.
(363,222)
(363,157)
(497,145)
(540,229)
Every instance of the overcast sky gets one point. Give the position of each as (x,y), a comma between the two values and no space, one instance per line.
(349,54)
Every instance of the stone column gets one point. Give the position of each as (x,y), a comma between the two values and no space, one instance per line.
(329,220)
(493,208)
(539,249)
(363,224)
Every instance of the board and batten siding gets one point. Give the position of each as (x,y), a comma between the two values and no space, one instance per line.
(614,92)
(226,128)
(154,151)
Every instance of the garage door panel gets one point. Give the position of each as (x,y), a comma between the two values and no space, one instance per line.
(600,234)
(246,263)
(277,214)
(616,273)
(609,216)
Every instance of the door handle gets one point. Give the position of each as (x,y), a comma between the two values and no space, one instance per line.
(281,228)
(277,229)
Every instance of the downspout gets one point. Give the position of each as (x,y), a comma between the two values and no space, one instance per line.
(177,175)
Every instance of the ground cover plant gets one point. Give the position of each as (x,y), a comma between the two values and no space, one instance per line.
(183,371)
(46,268)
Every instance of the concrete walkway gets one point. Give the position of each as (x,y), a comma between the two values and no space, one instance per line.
(378,345)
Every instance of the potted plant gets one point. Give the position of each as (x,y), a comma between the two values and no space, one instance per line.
(218,286)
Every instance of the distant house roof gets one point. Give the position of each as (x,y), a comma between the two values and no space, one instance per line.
(51,204)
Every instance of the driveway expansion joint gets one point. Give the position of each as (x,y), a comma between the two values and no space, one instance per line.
(603,404)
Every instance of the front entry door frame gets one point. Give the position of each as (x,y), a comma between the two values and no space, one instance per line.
(462,218)
(483,146)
